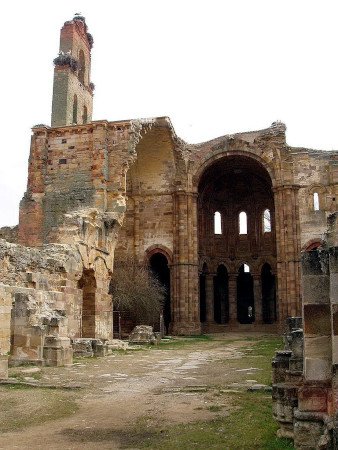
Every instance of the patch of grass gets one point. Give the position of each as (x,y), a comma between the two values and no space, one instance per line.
(258,356)
(31,406)
(249,427)
(215,408)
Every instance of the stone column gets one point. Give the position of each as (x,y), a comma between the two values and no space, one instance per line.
(185,308)
(257,288)
(209,297)
(288,251)
(233,298)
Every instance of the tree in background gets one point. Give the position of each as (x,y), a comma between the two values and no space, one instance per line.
(136,291)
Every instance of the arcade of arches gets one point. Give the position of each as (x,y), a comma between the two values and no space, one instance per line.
(237,243)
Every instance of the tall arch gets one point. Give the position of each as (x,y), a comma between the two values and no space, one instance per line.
(241,188)
(268,281)
(88,285)
(245,296)
(221,295)
(158,264)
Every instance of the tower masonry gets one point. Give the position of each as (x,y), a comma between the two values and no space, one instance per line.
(72,89)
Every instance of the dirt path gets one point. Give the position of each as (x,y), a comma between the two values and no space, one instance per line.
(136,390)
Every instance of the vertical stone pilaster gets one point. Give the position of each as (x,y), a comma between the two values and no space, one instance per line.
(288,251)
(185,309)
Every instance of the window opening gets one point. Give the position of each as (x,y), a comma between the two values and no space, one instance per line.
(267,221)
(75,109)
(246,268)
(316,201)
(82,67)
(217,223)
(243,223)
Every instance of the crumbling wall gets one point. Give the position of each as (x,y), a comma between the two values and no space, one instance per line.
(313,407)
(315,172)
(9,234)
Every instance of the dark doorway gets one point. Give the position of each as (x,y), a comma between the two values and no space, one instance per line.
(88,285)
(203,305)
(221,297)
(159,266)
(245,296)
(268,294)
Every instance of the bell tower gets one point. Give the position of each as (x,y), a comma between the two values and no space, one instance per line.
(72,88)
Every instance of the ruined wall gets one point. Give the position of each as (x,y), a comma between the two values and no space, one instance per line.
(306,400)
(75,169)
(9,234)
(150,185)
(315,172)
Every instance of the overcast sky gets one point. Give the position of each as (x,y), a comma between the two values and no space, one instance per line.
(213,66)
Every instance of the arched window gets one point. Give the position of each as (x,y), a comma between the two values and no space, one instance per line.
(246,268)
(85,115)
(316,201)
(75,109)
(217,223)
(267,221)
(82,67)
(243,223)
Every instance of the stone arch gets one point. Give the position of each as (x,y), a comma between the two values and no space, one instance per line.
(268,288)
(158,261)
(221,295)
(88,320)
(312,244)
(158,248)
(200,170)
(245,297)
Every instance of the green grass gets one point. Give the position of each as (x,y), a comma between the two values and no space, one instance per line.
(22,406)
(249,426)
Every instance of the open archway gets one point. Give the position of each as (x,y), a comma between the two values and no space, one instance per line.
(239,189)
(245,295)
(221,298)
(158,264)
(268,294)
(88,285)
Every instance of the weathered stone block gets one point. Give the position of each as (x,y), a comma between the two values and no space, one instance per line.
(142,334)
(317,369)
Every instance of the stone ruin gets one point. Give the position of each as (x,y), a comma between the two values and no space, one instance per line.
(305,374)
(135,188)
